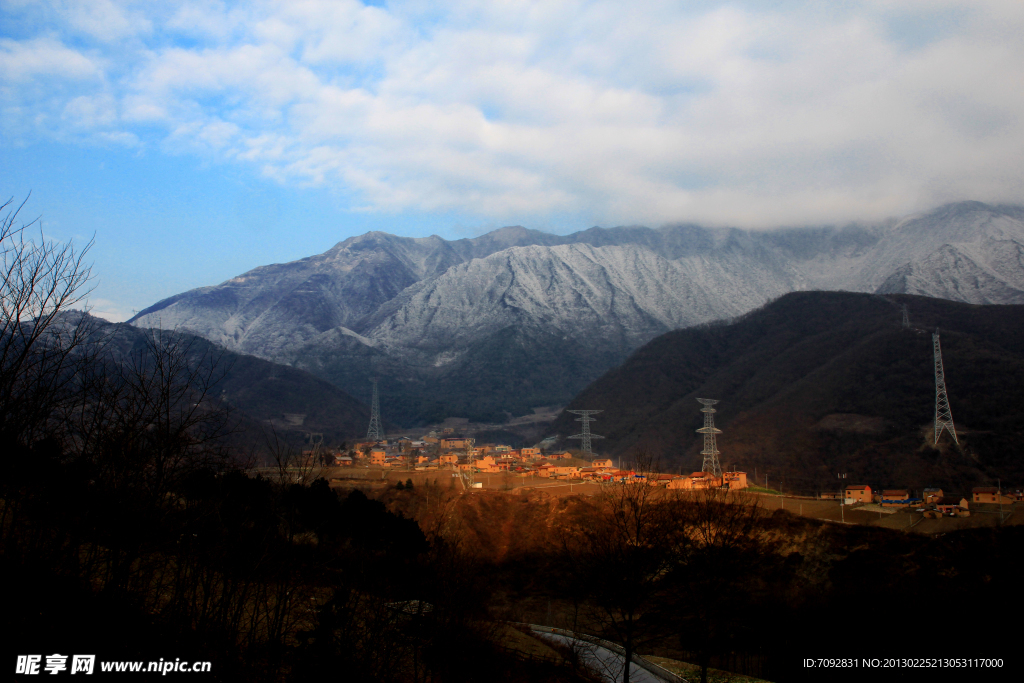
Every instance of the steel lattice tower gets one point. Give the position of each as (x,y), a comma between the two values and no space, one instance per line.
(375,432)
(943,416)
(710,451)
(906,318)
(586,436)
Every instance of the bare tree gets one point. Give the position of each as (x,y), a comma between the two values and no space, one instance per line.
(292,465)
(41,281)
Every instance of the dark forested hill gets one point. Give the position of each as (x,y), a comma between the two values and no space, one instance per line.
(818,383)
(264,392)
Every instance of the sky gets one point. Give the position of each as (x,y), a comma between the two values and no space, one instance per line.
(193,141)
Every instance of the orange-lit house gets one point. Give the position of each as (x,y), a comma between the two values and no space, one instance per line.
(735,480)
(451,442)
(896,498)
(952,506)
(696,480)
(990,494)
(858,494)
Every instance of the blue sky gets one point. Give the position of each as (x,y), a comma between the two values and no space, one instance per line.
(197,140)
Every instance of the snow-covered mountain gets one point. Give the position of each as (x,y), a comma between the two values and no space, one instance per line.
(518,318)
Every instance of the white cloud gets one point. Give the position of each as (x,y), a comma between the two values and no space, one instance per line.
(92,111)
(108,310)
(624,113)
(24,61)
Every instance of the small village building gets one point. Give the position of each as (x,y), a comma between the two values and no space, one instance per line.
(343,461)
(735,480)
(858,494)
(529,452)
(897,498)
(448,459)
(931,494)
(618,475)
(830,495)
(704,480)
(696,480)
(950,505)
(684,483)
(377,456)
(603,462)
(990,494)
(453,442)
(567,471)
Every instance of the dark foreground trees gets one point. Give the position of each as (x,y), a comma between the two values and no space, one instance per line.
(652,568)
(621,549)
(717,576)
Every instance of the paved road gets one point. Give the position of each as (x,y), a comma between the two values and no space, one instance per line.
(602,660)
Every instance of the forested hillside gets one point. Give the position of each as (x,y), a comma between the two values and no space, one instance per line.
(819,383)
(259,391)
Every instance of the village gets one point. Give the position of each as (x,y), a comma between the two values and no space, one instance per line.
(468,465)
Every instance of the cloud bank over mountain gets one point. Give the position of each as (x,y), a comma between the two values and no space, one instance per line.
(749,114)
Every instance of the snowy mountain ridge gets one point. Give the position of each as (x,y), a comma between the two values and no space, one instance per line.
(434,313)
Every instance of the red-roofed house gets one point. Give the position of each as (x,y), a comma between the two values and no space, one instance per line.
(858,494)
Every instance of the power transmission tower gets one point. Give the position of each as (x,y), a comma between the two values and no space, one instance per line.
(906,318)
(586,436)
(375,432)
(710,451)
(943,416)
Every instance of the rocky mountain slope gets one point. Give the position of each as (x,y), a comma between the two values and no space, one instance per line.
(519,318)
(820,383)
